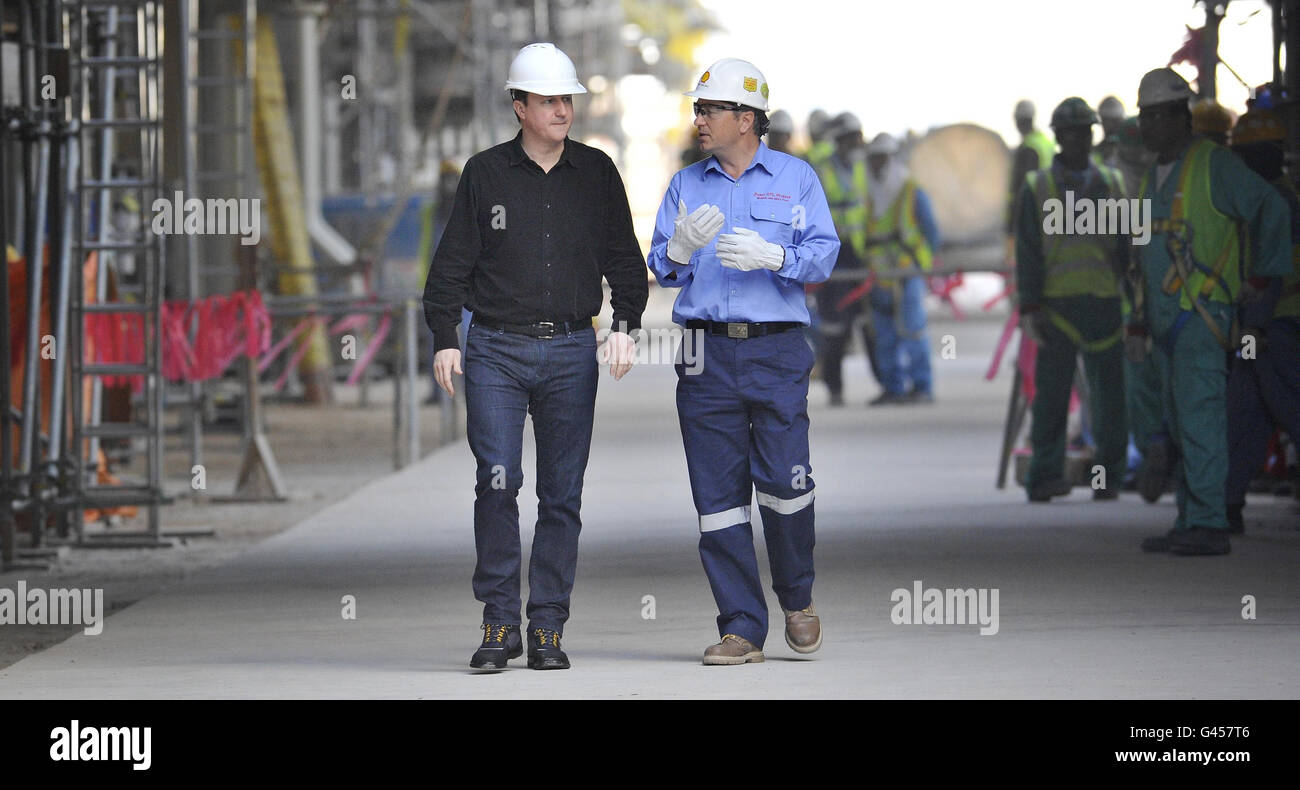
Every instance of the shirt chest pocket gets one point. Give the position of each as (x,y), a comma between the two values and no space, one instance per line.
(776,221)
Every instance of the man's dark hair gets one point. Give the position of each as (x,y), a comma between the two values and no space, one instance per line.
(517,95)
(761,121)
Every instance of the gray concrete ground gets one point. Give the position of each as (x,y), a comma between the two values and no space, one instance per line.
(904,494)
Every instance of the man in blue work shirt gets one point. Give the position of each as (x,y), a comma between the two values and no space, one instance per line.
(744,416)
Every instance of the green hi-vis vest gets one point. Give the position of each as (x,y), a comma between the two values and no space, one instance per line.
(907,245)
(848,203)
(1077,264)
(1215,269)
(1288,305)
(1044,145)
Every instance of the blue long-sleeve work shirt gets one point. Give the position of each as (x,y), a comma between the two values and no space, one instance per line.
(779,196)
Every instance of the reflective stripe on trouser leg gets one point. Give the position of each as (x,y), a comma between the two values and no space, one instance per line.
(715,434)
(776,386)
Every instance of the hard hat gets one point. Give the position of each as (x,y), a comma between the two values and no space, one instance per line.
(1024,110)
(1208,116)
(781,123)
(1160,86)
(1111,109)
(818,120)
(1258,126)
(883,143)
(545,70)
(844,123)
(733,80)
(1073,112)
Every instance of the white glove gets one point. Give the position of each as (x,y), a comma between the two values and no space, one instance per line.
(693,231)
(746,250)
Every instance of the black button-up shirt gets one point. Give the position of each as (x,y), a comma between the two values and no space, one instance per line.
(524,246)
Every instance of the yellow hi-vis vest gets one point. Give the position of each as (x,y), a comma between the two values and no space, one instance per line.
(848,202)
(908,246)
(1077,264)
(1044,145)
(1215,268)
(819,152)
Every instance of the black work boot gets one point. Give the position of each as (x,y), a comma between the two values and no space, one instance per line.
(1160,543)
(1043,492)
(500,644)
(1201,541)
(544,650)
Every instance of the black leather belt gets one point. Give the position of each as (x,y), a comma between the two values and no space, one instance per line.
(742,330)
(543,330)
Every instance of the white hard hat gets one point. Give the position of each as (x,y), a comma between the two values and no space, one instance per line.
(1160,86)
(1111,108)
(781,123)
(1024,110)
(733,80)
(883,143)
(844,123)
(545,70)
(818,121)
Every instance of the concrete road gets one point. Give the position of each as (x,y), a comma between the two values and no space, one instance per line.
(905,496)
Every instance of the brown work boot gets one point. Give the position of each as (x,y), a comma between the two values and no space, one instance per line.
(732,650)
(803,629)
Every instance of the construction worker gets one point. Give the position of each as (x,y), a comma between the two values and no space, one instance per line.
(1191,278)
(1264,387)
(820,147)
(780,131)
(1069,288)
(536,223)
(844,177)
(1034,152)
(740,233)
(1151,460)
(1211,120)
(901,234)
(1111,113)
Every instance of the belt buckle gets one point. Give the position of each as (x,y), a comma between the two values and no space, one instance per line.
(739,331)
(549,329)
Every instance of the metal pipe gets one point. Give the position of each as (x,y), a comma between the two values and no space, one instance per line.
(6,450)
(35,264)
(65,272)
(108,92)
(188,143)
(335,247)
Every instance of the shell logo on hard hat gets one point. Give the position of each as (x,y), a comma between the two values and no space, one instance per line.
(751,84)
(704,78)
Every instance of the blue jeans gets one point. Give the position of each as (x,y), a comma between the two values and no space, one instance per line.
(902,348)
(506,377)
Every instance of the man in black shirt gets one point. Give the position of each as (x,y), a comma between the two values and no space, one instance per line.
(536,223)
